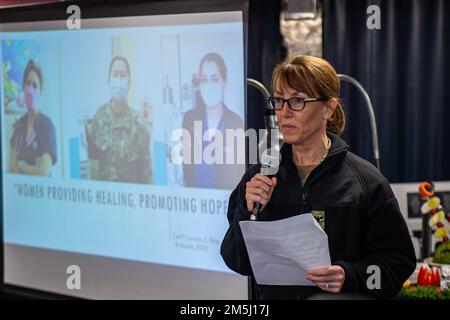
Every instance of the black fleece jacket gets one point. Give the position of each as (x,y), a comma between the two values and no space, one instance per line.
(362,220)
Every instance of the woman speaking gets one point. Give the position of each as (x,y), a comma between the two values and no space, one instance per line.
(319,175)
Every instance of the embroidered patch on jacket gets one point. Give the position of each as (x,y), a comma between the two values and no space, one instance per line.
(320,217)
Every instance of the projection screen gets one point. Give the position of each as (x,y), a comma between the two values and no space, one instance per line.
(94,204)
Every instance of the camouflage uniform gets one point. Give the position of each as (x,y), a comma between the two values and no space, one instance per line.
(121,146)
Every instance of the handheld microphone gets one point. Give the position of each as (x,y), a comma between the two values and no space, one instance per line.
(270,162)
(271,157)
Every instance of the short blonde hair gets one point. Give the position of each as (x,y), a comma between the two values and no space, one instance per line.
(313,76)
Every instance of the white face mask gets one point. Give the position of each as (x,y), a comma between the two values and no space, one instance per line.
(212,94)
(119,88)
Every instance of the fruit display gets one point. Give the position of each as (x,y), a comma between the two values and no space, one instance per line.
(442,253)
(428,277)
(428,286)
(433,278)
(424,293)
(439,220)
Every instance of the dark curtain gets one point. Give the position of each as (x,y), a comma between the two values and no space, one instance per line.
(264,51)
(404,67)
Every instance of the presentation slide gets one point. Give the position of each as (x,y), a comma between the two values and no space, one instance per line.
(90,150)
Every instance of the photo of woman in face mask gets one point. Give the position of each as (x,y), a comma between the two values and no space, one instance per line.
(33,143)
(118,143)
(212,112)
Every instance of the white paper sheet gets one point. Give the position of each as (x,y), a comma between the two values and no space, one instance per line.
(281,252)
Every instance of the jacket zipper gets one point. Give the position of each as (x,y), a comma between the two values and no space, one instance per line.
(307,182)
(303,201)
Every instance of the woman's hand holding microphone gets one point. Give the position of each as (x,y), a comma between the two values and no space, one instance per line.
(259,189)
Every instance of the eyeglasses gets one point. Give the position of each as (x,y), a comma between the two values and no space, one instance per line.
(295,104)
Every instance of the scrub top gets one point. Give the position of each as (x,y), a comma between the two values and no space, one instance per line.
(44,140)
(206,174)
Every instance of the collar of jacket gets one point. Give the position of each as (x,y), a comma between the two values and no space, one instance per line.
(336,155)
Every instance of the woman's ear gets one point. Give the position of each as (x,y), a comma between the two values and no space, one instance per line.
(331,105)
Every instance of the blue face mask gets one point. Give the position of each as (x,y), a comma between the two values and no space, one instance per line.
(119,89)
